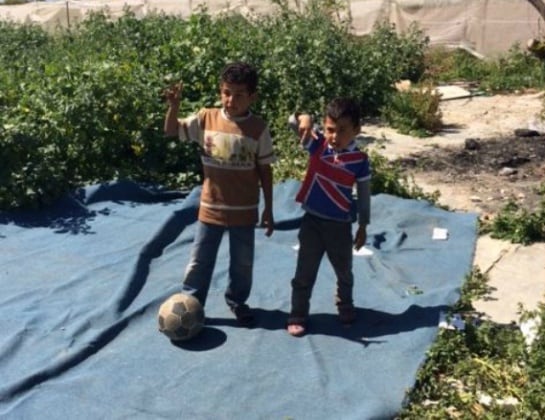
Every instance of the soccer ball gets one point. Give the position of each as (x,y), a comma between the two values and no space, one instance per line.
(181,317)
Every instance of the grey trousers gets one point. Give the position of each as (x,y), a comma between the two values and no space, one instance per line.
(317,237)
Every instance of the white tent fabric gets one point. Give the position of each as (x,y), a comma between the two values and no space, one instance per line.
(484,27)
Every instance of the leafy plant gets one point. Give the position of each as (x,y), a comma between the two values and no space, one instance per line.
(484,371)
(84,105)
(475,287)
(415,112)
(517,225)
(513,70)
(388,178)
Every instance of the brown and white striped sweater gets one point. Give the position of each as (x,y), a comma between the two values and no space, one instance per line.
(231,150)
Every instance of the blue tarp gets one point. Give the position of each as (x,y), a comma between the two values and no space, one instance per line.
(82,282)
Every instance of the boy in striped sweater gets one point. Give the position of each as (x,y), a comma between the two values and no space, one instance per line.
(236,153)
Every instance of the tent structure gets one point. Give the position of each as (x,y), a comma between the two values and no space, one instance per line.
(484,27)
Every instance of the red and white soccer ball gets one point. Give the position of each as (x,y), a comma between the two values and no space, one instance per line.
(181,317)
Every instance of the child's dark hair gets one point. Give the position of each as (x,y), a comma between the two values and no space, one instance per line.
(240,73)
(344,108)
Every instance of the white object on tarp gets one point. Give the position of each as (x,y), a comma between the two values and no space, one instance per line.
(439,234)
(363,252)
(452,322)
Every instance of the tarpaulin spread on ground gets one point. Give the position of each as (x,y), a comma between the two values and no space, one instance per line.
(82,282)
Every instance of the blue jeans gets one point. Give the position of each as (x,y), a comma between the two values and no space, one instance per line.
(198,273)
(317,237)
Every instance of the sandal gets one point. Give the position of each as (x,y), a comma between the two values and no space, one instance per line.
(347,314)
(243,314)
(296,330)
(296,326)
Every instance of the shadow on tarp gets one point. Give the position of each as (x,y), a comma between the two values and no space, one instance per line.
(169,232)
(71,214)
(208,339)
(370,323)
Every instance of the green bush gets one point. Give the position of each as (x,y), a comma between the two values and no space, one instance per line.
(484,361)
(415,112)
(84,105)
(517,225)
(513,70)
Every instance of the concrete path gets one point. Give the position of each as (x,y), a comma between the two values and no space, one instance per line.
(516,277)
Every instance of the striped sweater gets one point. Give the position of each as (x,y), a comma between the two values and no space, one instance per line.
(231,150)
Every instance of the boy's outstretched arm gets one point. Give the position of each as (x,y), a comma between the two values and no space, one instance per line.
(172,95)
(304,128)
(266,177)
(302,124)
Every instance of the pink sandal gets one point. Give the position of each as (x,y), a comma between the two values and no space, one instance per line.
(296,326)
(296,330)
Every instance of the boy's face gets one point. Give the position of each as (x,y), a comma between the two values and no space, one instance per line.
(236,99)
(339,134)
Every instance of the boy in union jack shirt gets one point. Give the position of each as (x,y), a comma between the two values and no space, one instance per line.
(335,166)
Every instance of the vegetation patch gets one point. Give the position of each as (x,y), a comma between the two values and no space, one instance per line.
(84,105)
(483,370)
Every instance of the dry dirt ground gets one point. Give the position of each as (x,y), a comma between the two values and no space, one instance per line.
(475,179)
(477,162)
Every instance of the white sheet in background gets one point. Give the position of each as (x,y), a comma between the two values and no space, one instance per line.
(484,27)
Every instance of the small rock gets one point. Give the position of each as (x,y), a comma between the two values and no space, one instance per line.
(537,124)
(472,144)
(403,85)
(515,161)
(526,132)
(506,171)
(475,199)
(485,399)
(408,162)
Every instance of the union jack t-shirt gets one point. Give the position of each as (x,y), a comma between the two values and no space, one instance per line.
(327,188)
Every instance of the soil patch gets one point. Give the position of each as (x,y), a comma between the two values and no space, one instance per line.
(483,158)
(493,171)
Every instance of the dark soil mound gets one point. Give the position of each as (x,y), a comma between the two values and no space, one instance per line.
(502,168)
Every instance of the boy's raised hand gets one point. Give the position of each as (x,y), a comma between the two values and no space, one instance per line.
(172,97)
(304,127)
(173,93)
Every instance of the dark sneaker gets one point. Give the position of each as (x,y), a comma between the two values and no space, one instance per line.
(347,314)
(244,315)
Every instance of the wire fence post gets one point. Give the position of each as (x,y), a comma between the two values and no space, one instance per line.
(67,15)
